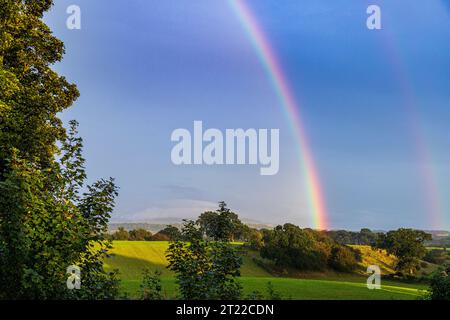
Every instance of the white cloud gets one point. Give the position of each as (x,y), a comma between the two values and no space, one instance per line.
(178,208)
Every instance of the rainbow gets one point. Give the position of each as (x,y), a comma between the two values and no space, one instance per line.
(282,88)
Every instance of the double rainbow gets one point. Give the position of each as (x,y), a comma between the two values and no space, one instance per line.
(434,210)
(280,83)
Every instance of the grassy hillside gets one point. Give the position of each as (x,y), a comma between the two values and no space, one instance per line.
(387,262)
(131,257)
(380,258)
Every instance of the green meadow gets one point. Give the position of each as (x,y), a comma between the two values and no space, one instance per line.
(131,257)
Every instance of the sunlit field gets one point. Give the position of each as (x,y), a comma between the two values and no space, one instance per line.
(131,257)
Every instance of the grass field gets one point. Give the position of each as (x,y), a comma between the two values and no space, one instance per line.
(437,248)
(131,257)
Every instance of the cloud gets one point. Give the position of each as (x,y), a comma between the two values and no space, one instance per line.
(178,208)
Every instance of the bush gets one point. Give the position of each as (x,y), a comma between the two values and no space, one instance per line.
(272,294)
(343,258)
(150,288)
(440,286)
(204,269)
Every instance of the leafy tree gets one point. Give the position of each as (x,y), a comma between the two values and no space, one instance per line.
(204,269)
(306,249)
(140,235)
(46,224)
(221,225)
(367,237)
(290,246)
(121,234)
(255,239)
(344,259)
(172,233)
(208,222)
(407,245)
(151,288)
(363,237)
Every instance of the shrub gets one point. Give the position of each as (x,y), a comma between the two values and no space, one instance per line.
(272,294)
(440,286)
(150,288)
(343,258)
(204,269)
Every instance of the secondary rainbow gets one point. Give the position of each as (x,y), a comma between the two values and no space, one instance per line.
(431,188)
(282,88)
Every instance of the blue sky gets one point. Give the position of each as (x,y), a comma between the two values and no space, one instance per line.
(147,67)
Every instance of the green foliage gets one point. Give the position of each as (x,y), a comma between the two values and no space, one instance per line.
(204,269)
(170,233)
(131,257)
(33,94)
(140,235)
(437,256)
(221,225)
(53,227)
(46,225)
(440,285)
(121,234)
(255,239)
(306,249)
(344,259)
(272,294)
(363,237)
(407,245)
(151,288)
(167,234)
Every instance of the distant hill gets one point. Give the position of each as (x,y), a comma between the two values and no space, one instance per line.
(152,227)
(441,238)
(155,225)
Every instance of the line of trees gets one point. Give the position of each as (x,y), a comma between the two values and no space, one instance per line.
(363,237)
(290,246)
(169,233)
